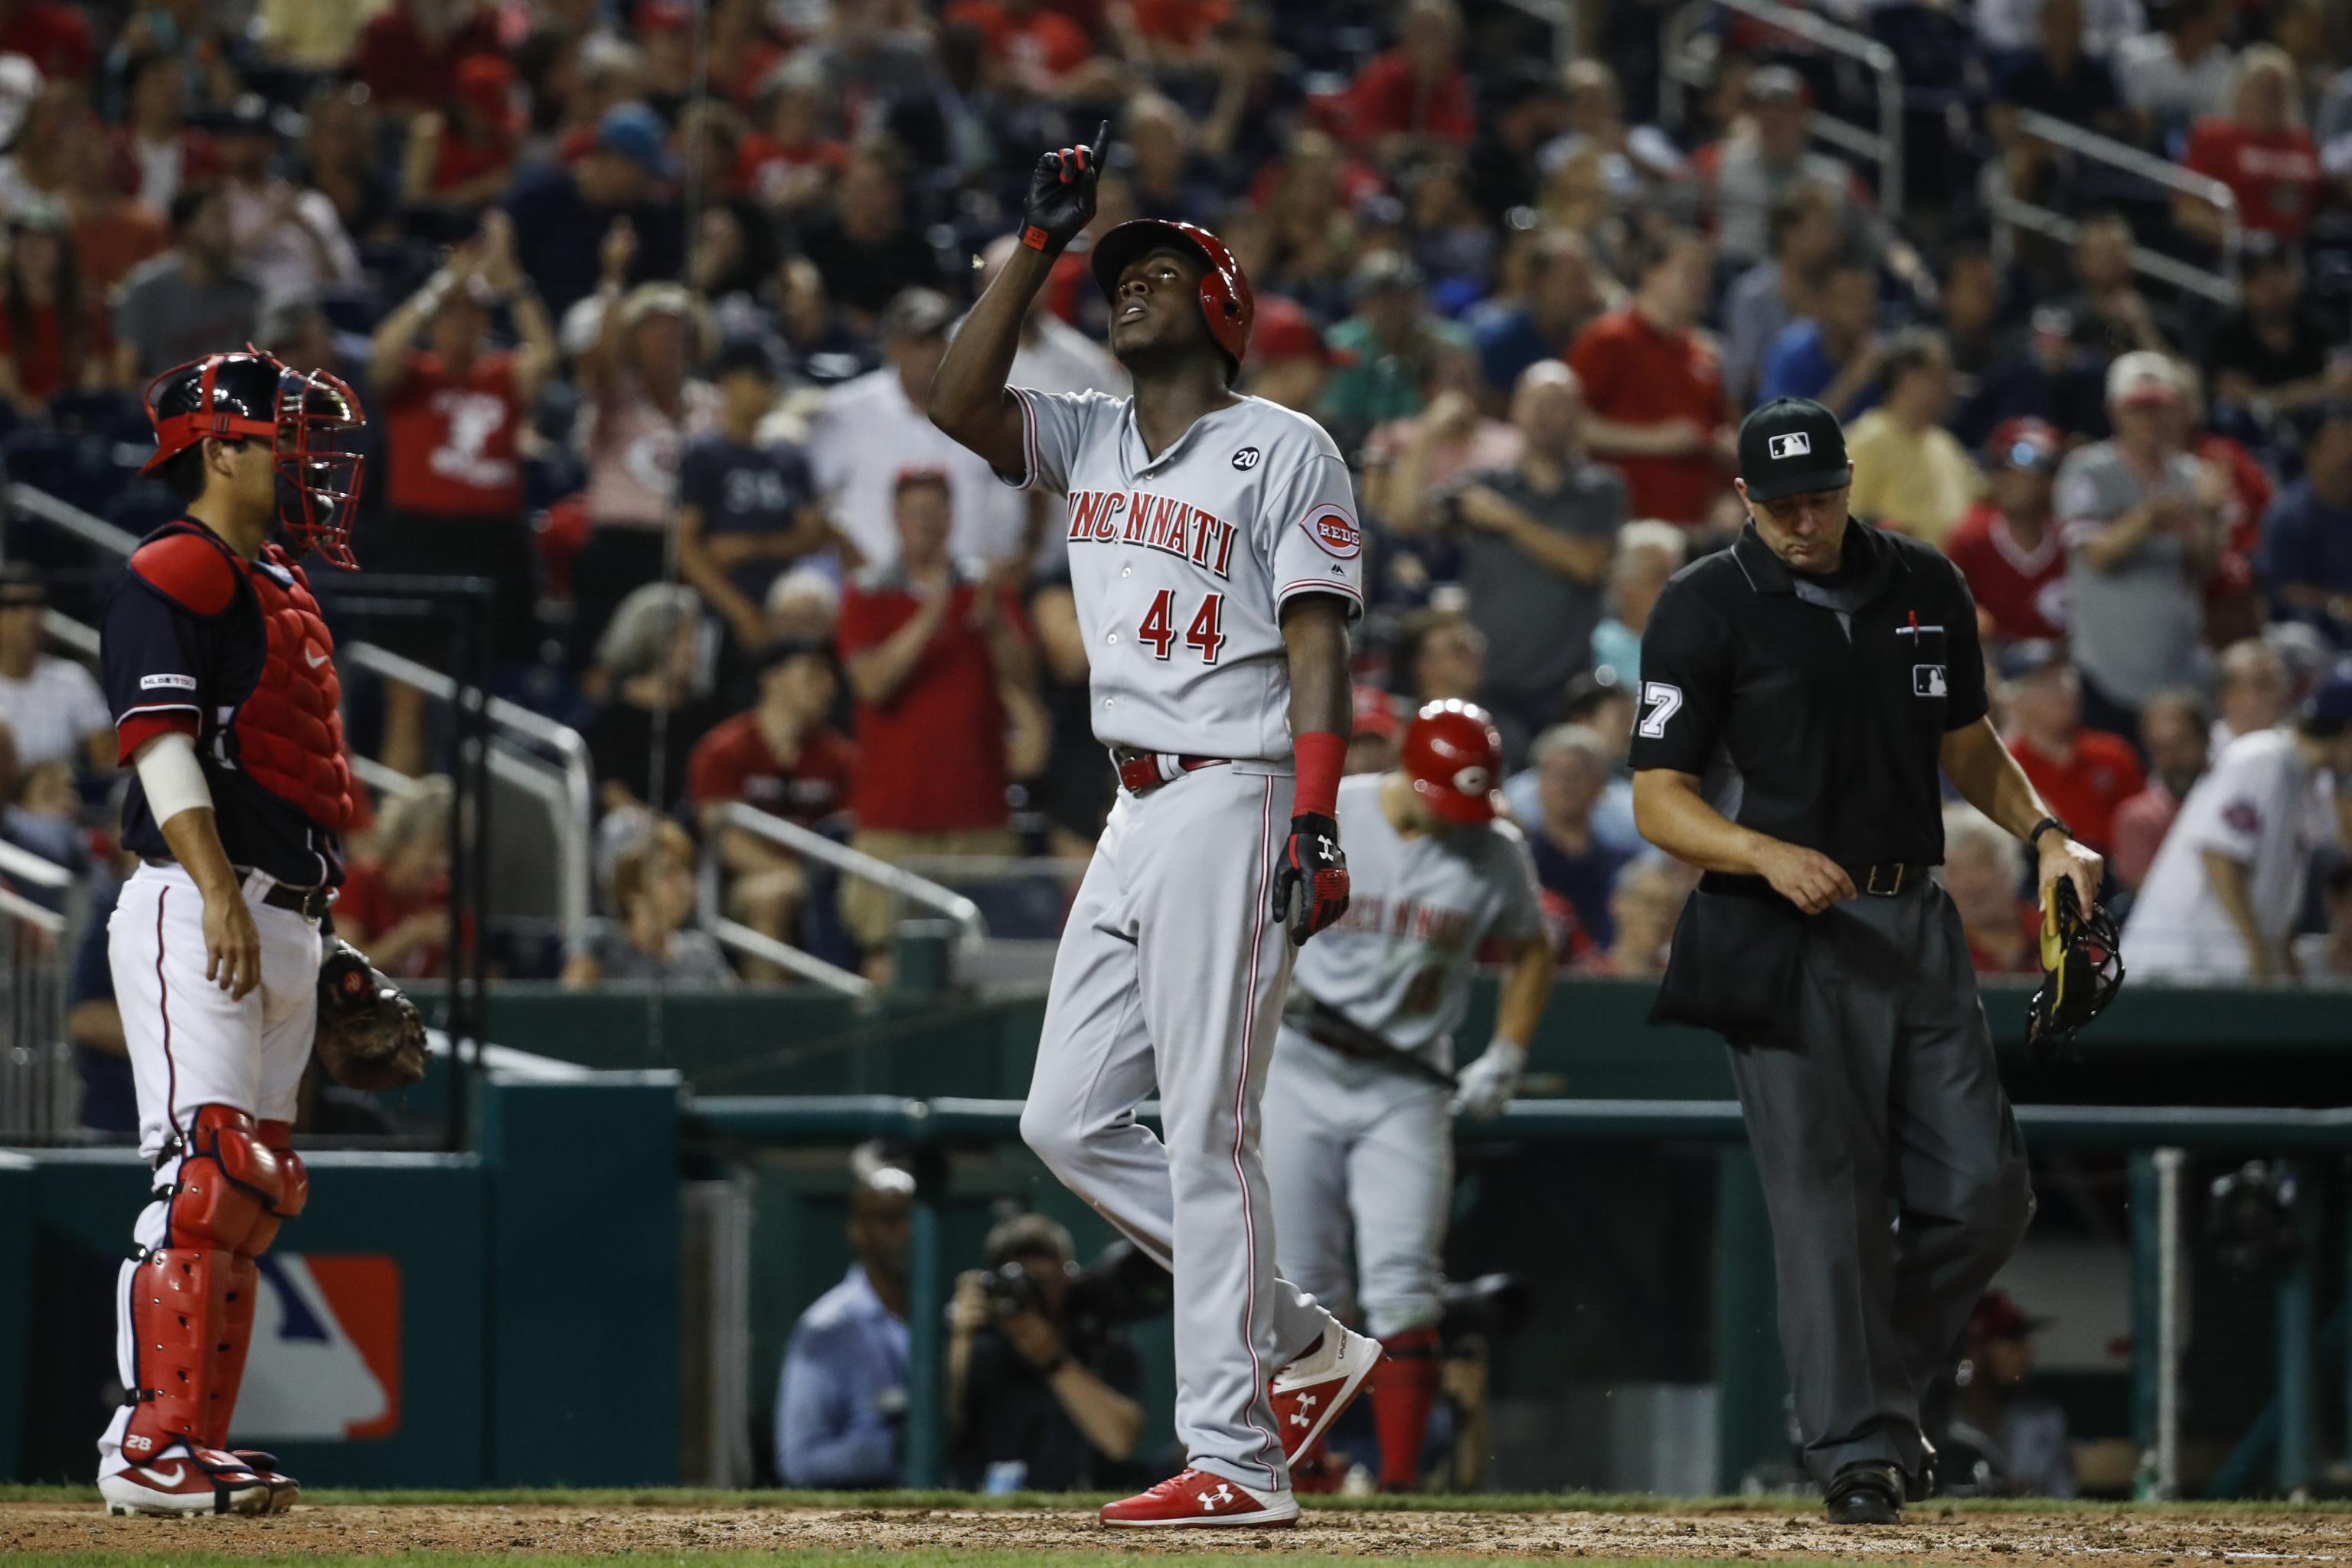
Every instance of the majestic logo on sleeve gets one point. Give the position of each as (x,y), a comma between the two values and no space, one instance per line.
(1152,523)
(1335,530)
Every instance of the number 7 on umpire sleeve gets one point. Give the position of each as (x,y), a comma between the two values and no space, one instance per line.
(1661,700)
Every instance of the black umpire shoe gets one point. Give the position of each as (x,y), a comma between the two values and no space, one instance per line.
(1868,1493)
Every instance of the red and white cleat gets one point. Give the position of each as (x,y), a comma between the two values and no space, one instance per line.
(187,1481)
(1309,1394)
(1199,1499)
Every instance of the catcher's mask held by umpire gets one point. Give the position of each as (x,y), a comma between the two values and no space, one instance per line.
(1225,300)
(311,420)
(2082,968)
(1454,755)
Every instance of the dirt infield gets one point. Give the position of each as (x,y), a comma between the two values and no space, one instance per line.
(2125,1536)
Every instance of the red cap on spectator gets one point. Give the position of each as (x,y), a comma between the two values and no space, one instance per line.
(1998,1317)
(1375,711)
(664,15)
(1285,330)
(2023,443)
(486,85)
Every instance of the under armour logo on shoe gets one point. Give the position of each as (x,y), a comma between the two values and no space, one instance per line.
(1306,1403)
(1211,1501)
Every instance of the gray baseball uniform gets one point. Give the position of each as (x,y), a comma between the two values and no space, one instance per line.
(1363,1149)
(1172,967)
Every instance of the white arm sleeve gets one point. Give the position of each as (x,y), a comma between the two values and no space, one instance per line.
(170,774)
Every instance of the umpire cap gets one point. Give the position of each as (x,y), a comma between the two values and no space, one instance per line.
(1792,447)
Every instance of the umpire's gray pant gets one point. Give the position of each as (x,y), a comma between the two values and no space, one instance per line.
(1890,1106)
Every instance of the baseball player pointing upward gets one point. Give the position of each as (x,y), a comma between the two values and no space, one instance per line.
(1215,562)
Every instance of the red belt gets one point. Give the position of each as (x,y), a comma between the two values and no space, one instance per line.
(1143,772)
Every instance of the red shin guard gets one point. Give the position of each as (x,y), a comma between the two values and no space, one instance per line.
(192,1300)
(1404,1391)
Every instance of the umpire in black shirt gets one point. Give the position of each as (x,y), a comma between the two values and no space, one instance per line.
(1800,693)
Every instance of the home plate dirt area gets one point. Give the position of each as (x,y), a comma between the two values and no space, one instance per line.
(62,1527)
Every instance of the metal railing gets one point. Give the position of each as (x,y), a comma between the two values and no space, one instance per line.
(2015,212)
(63,629)
(971,927)
(39,1086)
(1685,67)
(565,783)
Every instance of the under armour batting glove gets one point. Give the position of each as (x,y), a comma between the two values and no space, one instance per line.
(1487,1084)
(1310,886)
(1062,195)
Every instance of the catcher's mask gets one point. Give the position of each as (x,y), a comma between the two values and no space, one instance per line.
(311,421)
(2082,967)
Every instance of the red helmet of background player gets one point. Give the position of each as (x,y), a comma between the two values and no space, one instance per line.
(1225,299)
(311,421)
(1455,757)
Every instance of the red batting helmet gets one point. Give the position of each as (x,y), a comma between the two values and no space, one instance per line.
(1455,758)
(1225,293)
(311,423)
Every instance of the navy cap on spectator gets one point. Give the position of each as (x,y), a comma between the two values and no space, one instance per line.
(2327,711)
(636,133)
(747,355)
(2023,660)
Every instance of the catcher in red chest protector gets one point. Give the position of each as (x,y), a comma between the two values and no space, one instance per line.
(221,676)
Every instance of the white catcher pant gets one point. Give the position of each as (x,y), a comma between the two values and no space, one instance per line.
(190,1046)
(1172,970)
(1359,1152)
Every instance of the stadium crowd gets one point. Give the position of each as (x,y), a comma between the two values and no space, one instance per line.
(644,298)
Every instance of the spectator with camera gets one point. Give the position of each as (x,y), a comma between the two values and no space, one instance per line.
(1044,1394)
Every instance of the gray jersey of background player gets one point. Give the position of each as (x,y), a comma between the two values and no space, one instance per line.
(1832,667)
(1215,562)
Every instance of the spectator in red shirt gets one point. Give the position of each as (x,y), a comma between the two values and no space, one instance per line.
(52,35)
(789,160)
(1982,873)
(463,159)
(452,410)
(1417,89)
(408,56)
(1655,389)
(941,667)
(2176,731)
(783,757)
(155,150)
(2260,150)
(113,230)
(54,337)
(394,906)
(2083,775)
(1030,43)
(2007,545)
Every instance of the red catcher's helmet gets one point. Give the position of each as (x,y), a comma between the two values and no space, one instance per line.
(311,421)
(1225,299)
(1455,758)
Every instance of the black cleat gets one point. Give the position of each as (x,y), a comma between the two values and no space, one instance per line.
(1868,1493)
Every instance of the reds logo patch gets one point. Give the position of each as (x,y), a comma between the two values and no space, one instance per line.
(1335,530)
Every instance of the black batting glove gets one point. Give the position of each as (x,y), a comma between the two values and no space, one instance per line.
(1310,885)
(1062,195)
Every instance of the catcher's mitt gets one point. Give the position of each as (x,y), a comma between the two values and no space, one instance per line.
(370,1036)
(2082,968)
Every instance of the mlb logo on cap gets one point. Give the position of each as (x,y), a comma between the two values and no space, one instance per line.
(1792,445)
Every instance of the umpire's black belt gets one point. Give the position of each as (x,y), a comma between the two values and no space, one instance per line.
(1887,878)
(311,903)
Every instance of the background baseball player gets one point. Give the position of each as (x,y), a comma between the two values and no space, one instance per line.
(1361,1148)
(1215,562)
(220,674)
